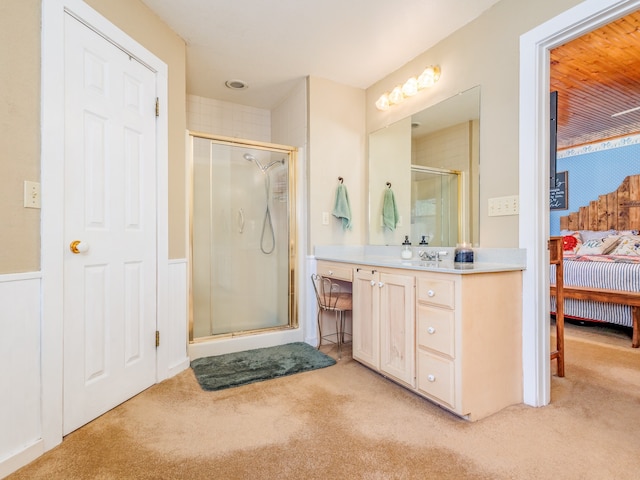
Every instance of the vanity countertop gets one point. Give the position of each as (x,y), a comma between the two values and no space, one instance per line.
(487,259)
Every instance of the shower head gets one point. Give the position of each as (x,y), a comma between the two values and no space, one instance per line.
(250,158)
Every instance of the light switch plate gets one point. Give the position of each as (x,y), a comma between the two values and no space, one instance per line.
(500,206)
(31,194)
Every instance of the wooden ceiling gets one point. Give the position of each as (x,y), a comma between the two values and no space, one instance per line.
(597,76)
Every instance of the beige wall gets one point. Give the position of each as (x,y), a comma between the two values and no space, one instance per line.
(336,149)
(485,53)
(19,133)
(20,120)
(140,23)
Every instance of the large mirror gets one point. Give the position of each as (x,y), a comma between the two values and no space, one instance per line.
(431,163)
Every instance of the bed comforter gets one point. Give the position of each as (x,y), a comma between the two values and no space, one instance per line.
(614,272)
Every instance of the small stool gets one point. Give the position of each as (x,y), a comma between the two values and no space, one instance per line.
(331,299)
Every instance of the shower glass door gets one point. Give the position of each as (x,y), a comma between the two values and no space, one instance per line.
(435,211)
(240,239)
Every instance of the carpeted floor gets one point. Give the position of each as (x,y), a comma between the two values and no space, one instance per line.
(347,422)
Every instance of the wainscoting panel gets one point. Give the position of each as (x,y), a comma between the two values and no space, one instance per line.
(177,334)
(20,415)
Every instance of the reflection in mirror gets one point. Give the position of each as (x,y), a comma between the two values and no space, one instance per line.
(432,161)
(434,205)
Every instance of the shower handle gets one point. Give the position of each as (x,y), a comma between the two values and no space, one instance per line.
(240,220)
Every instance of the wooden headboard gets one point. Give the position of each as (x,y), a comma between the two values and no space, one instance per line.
(618,210)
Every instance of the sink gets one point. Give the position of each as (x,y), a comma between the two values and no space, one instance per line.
(417,262)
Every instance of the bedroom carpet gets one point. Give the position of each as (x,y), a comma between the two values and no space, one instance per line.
(241,368)
(348,422)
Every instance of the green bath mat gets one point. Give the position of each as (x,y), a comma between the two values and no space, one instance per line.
(240,368)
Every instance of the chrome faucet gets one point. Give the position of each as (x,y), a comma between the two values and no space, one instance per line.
(433,255)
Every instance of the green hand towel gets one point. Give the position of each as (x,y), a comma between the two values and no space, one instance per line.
(390,215)
(342,209)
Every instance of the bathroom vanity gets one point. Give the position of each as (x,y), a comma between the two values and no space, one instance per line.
(452,335)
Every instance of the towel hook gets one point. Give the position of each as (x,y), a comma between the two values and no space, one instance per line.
(340,179)
(389,184)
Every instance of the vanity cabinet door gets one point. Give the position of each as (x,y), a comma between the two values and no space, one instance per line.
(366,318)
(397,326)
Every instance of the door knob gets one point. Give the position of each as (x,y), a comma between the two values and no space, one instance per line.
(78,246)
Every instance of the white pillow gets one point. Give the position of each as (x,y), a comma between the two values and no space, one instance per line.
(598,246)
(595,234)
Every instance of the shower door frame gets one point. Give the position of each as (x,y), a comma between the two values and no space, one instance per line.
(291,152)
(462,212)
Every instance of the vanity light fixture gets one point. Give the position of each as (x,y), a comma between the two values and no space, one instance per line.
(413,85)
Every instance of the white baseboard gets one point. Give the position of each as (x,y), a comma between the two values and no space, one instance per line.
(21,458)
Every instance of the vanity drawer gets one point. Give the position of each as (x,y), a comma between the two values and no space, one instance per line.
(437,292)
(436,377)
(436,329)
(335,270)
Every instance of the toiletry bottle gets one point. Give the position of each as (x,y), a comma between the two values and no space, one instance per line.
(424,240)
(406,251)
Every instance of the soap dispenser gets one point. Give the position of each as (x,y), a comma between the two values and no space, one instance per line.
(424,241)
(407,253)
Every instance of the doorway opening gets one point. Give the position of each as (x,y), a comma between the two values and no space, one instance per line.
(534,178)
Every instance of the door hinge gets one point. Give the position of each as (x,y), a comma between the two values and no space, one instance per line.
(157,107)
(157,338)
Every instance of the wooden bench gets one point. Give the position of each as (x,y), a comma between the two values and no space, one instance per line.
(608,296)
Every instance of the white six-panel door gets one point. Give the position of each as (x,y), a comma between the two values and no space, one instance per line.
(110,207)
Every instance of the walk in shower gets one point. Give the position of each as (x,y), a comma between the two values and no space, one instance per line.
(242,237)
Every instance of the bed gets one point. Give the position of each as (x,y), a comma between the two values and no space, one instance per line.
(601,261)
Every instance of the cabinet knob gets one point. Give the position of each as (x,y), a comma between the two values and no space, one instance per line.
(431,378)
(431,293)
(330,272)
(431,330)
(372,283)
(380,284)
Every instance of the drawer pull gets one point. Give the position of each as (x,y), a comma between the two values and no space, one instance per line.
(381,284)
(431,330)
(431,293)
(373,283)
(330,272)
(431,378)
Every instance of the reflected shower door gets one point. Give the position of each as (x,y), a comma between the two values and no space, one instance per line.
(240,239)
(434,206)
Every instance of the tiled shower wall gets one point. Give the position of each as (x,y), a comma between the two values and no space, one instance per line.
(228,119)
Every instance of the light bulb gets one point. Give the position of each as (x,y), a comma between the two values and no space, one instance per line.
(410,87)
(383,102)
(396,95)
(430,76)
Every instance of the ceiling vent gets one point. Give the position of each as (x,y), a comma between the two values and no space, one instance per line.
(236,84)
